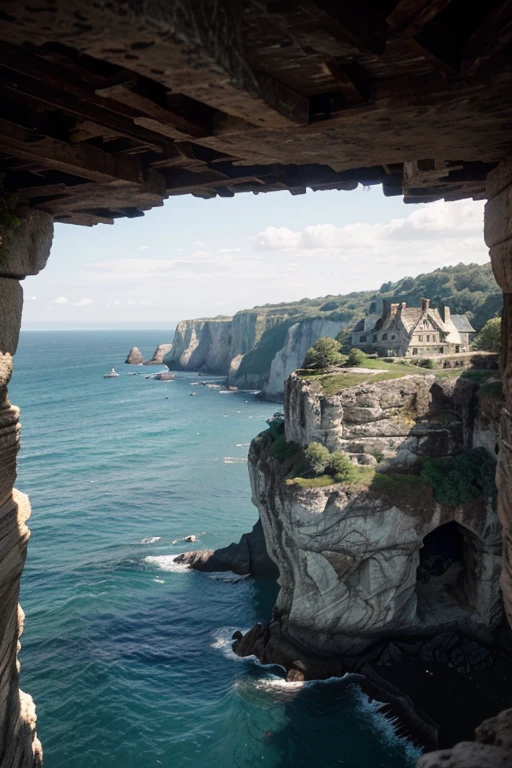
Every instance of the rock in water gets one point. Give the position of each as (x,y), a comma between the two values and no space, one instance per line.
(159,354)
(249,556)
(135,357)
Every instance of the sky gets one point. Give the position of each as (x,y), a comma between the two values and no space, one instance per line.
(200,258)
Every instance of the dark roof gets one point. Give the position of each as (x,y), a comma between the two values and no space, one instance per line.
(108,108)
(358,327)
(462,324)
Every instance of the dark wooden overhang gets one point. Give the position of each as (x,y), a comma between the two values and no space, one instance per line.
(108,108)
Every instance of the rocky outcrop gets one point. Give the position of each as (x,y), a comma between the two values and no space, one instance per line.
(255,349)
(135,357)
(158,355)
(351,557)
(299,338)
(24,251)
(248,557)
(201,345)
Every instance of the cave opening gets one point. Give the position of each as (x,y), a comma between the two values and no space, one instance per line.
(450,561)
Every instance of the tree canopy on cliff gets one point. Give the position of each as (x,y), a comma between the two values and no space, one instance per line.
(489,338)
(325,351)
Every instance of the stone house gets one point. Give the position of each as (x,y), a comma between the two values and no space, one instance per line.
(396,330)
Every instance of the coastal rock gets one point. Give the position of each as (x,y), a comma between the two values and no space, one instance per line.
(135,357)
(158,355)
(349,555)
(249,556)
(492,749)
(201,345)
(164,376)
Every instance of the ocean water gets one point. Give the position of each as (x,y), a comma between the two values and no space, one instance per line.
(126,654)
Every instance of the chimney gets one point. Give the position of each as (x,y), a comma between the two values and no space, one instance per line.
(425,303)
(446,314)
(394,309)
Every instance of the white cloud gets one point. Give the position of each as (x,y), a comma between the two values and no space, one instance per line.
(229,250)
(144,303)
(83,303)
(116,303)
(197,244)
(144,247)
(61,300)
(33,298)
(438,234)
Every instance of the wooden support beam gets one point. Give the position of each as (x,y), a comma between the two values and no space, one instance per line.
(361,24)
(79,159)
(352,80)
(491,36)
(195,48)
(174,123)
(408,17)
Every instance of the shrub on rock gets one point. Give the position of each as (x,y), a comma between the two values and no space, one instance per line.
(340,467)
(356,356)
(317,457)
(325,351)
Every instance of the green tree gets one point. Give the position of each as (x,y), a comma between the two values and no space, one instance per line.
(489,338)
(356,356)
(317,457)
(340,467)
(325,351)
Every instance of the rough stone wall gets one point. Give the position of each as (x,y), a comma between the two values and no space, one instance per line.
(498,236)
(24,252)
(347,555)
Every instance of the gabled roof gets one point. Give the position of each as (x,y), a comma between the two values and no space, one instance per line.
(462,324)
(359,327)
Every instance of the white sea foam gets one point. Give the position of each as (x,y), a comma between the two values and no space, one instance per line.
(159,581)
(151,540)
(222,640)
(234,460)
(166,563)
(242,445)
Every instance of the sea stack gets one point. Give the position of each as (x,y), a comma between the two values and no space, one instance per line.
(135,357)
(159,354)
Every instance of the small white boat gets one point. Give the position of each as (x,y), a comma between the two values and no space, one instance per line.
(112,374)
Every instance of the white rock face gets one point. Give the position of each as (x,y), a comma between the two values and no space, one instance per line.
(300,337)
(201,345)
(158,355)
(246,349)
(348,556)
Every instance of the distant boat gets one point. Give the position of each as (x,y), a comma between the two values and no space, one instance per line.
(112,374)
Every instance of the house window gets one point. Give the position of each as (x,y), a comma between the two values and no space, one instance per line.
(384,336)
(374,337)
(420,338)
(393,337)
(428,338)
(415,351)
(362,339)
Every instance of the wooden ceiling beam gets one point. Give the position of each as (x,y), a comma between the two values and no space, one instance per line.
(352,80)
(80,159)
(492,36)
(198,51)
(360,24)
(175,123)
(408,17)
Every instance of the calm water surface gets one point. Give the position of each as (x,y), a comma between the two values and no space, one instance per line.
(127,655)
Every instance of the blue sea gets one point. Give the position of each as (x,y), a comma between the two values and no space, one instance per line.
(126,654)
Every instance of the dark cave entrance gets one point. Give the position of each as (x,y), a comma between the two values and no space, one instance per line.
(447,574)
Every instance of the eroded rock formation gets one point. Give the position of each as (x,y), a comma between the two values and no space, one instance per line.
(25,253)
(135,357)
(248,557)
(349,556)
(158,355)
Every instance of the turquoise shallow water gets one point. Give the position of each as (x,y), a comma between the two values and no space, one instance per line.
(126,655)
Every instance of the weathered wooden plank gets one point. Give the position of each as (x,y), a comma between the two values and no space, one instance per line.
(197,45)
(84,219)
(362,24)
(78,159)
(408,17)
(491,36)
(352,79)
(174,124)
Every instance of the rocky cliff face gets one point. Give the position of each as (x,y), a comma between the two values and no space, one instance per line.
(380,557)
(299,338)
(255,349)
(201,345)
(158,355)
(29,247)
